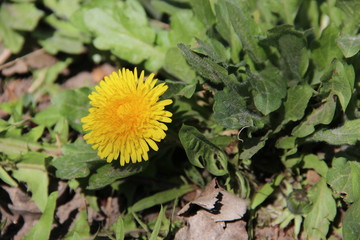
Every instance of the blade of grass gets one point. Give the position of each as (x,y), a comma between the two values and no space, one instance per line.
(119,229)
(157,226)
(159,198)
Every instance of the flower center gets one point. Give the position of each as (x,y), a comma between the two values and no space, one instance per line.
(132,113)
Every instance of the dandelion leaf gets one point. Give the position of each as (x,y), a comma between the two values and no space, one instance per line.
(202,152)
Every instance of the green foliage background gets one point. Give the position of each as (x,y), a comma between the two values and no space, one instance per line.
(282,77)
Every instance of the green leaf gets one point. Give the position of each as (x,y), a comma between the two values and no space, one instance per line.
(201,152)
(160,198)
(11,39)
(349,133)
(311,14)
(46,77)
(42,229)
(184,27)
(287,9)
(321,115)
(269,88)
(253,145)
(59,43)
(66,37)
(160,218)
(63,8)
(246,29)
(351,223)
(176,65)
(4,176)
(311,161)
(109,173)
(341,82)
(180,89)
(81,229)
(62,129)
(124,30)
(230,110)
(286,142)
(4,125)
(349,45)
(32,171)
(47,117)
(166,6)
(297,100)
(52,72)
(194,175)
(322,213)
(226,30)
(17,146)
(345,179)
(326,49)
(291,44)
(351,8)
(15,109)
(20,16)
(203,11)
(119,229)
(213,49)
(205,67)
(265,191)
(66,29)
(34,134)
(76,160)
(73,104)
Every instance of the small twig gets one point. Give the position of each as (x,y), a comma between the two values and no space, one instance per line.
(58,142)
(4,55)
(8,64)
(238,135)
(38,82)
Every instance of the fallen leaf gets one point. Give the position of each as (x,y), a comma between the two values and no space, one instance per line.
(214,214)
(81,79)
(99,72)
(37,59)
(23,213)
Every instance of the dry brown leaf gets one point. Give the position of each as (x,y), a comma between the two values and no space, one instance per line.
(5,53)
(20,210)
(77,202)
(99,72)
(214,214)
(14,89)
(35,60)
(79,80)
(202,226)
(233,207)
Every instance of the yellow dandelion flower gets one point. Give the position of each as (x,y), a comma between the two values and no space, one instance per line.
(126,116)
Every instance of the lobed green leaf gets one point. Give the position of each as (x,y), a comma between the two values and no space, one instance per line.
(201,152)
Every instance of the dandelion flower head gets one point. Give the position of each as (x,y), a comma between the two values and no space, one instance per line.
(126,116)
